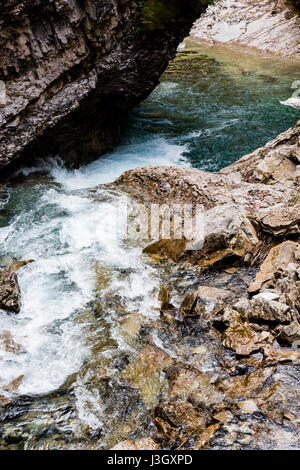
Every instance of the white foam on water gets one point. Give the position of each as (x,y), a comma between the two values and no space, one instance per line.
(151,151)
(293,102)
(65,229)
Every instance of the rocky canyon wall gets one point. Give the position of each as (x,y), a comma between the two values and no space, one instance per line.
(70,70)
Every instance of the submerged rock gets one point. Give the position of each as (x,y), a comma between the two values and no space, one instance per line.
(176,420)
(145,372)
(240,336)
(188,383)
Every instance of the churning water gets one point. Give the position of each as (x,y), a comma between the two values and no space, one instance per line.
(88,295)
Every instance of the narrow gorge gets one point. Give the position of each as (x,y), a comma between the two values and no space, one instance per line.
(124,324)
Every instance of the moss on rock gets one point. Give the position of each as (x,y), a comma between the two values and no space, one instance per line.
(158,14)
(296,5)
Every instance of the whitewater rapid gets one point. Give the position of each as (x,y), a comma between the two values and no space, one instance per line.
(65,229)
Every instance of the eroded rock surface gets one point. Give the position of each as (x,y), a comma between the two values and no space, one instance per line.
(253,23)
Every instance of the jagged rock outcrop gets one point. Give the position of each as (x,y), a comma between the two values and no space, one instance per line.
(249,213)
(270,26)
(70,70)
(275,164)
(231,211)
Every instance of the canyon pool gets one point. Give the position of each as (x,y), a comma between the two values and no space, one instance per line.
(90,300)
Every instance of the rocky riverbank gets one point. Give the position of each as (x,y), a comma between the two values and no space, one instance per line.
(256,24)
(251,223)
(219,367)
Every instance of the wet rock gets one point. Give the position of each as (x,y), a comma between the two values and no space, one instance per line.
(18,264)
(206,302)
(190,306)
(11,264)
(166,249)
(146,443)
(4,401)
(177,420)
(14,385)
(240,336)
(206,437)
(248,406)
(224,417)
(145,372)
(131,326)
(280,356)
(7,342)
(164,298)
(9,292)
(246,386)
(278,259)
(281,395)
(186,382)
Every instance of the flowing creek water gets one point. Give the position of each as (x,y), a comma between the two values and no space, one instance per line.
(90,300)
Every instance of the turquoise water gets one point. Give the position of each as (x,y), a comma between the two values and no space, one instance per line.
(220,104)
(88,295)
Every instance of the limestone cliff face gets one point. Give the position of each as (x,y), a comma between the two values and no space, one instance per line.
(270,26)
(71,70)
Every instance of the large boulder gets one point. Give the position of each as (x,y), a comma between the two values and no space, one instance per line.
(229,212)
(161,184)
(278,259)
